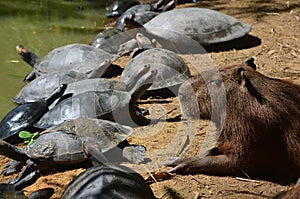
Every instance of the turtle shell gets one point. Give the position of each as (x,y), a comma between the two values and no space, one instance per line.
(143,11)
(104,181)
(86,85)
(203,25)
(171,68)
(20,118)
(58,147)
(43,86)
(93,104)
(81,58)
(8,191)
(110,40)
(108,134)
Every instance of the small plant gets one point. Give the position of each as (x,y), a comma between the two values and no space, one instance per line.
(28,137)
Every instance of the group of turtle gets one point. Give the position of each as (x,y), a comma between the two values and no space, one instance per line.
(84,118)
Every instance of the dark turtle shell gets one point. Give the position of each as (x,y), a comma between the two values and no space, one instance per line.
(104,181)
(25,115)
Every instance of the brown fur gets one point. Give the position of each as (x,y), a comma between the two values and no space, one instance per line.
(292,193)
(259,126)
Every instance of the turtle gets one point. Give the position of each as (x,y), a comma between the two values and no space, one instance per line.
(119,7)
(172,71)
(110,40)
(143,13)
(106,180)
(42,87)
(23,116)
(78,57)
(203,26)
(114,105)
(110,138)
(62,149)
(98,84)
(8,191)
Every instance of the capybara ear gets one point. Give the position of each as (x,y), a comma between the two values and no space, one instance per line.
(250,62)
(246,82)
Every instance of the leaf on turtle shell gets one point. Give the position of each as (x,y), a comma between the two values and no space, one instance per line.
(28,137)
(25,134)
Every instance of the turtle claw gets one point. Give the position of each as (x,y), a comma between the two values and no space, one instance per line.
(12,167)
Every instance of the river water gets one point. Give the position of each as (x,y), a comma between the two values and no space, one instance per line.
(40,25)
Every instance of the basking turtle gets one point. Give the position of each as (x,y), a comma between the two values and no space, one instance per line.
(42,87)
(99,84)
(119,7)
(143,13)
(62,149)
(110,40)
(203,26)
(81,58)
(110,138)
(23,116)
(7,191)
(115,105)
(106,180)
(172,71)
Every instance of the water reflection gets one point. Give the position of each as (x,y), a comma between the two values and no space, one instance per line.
(41,26)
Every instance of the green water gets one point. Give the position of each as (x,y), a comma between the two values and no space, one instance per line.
(41,26)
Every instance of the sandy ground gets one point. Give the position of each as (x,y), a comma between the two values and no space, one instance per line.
(277,24)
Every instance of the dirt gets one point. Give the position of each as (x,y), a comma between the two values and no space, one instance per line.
(277,24)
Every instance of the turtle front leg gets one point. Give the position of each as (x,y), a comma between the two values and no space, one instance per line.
(12,167)
(27,177)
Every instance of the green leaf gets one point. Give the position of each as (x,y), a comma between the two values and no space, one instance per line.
(25,134)
(31,141)
(35,135)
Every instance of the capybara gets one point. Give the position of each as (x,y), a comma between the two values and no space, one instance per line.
(258,123)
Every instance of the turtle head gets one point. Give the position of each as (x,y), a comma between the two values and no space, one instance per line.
(129,81)
(130,23)
(144,42)
(143,83)
(27,55)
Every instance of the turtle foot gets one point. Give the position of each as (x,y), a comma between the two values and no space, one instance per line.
(12,167)
(135,154)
